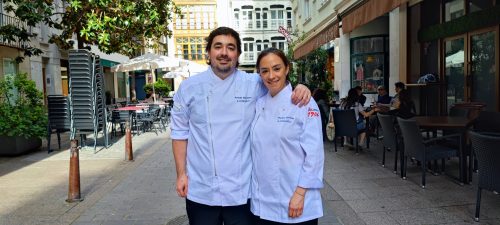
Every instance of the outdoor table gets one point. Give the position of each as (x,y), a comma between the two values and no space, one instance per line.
(450,123)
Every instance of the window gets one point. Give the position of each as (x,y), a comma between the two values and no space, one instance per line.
(289,17)
(264,18)
(258,20)
(453,9)
(279,43)
(236,18)
(9,66)
(368,63)
(306,11)
(190,48)
(196,18)
(248,49)
(247,19)
(478,5)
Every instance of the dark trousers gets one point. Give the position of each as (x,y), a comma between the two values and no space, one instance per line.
(200,214)
(259,221)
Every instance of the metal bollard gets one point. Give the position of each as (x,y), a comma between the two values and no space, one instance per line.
(74,174)
(129,154)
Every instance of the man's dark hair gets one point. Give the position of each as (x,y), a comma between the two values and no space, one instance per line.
(400,85)
(222,31)
(358,88)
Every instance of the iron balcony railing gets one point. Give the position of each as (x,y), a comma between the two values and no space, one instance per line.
(9,20)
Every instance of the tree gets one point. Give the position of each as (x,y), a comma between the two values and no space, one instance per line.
(115,26)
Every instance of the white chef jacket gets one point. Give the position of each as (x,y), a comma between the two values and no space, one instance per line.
(215,115)
(287,151)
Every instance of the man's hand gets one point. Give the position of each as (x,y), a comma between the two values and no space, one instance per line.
(301,95)
(182,185)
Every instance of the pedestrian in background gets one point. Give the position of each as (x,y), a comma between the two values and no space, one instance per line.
(321,98)
(287,150)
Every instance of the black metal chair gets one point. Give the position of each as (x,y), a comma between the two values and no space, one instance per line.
(119,117)
(391,140)
(345,125)
(423,151)
(485,146)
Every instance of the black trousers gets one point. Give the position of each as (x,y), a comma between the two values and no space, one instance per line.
(258,221)
(200,214)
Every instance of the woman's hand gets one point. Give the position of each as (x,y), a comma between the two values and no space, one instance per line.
(296,205)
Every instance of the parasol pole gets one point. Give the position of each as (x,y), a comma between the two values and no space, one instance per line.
(152,80)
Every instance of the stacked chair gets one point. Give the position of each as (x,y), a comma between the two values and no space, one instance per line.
(86,98)
(59,117)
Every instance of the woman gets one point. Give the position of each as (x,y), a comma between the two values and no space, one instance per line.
(404,107)
(287,150)
(352,102)
(321,99)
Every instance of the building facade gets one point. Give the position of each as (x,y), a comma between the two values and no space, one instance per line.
(258,23)
(382,42)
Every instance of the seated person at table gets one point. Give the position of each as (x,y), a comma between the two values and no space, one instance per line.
(383,105)
(383,97)
(398,86)
(352,102)
(404,107)
(361,96)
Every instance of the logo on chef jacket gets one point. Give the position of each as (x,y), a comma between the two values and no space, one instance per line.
(243,98)
(312,112)
(285,119)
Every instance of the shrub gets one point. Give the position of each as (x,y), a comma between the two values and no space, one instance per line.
(21,108)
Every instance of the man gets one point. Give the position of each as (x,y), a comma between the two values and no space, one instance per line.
(362,98)
(211,121)
(383,97)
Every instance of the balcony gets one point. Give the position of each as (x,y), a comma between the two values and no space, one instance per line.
(9,20)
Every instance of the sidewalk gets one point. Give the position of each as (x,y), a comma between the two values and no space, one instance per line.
(357,189)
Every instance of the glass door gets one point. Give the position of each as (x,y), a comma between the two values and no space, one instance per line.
(482,76)
(470,68)
(454,70)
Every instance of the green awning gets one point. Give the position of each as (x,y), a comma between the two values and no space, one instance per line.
(108,63)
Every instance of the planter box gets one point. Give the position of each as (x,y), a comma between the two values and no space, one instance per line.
(12,146)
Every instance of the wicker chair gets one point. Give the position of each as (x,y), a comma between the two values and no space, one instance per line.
(345,125)
(423,151)
(485,145)
(391,140)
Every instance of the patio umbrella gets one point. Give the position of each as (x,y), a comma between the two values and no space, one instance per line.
(148,61)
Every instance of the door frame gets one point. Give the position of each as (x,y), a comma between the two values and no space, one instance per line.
(468,61)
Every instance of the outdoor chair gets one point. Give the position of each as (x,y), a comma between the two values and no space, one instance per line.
(485,146)
(119,117)
(487,121)
(345,125)
(423,151)
(391,140)
(147,118)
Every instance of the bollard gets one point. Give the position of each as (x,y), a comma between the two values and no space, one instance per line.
(129,154)
(74,174)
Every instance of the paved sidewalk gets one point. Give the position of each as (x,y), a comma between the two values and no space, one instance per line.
(114,191)
(357,189)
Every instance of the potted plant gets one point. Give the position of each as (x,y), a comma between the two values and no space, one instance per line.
(23,120)
(161,88)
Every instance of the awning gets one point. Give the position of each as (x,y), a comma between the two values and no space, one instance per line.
(368,12)
(329,33)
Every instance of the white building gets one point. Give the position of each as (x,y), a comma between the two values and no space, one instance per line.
(258,23)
